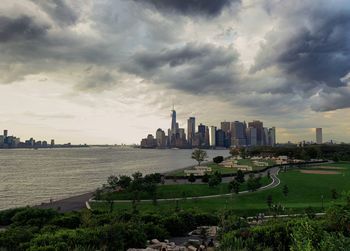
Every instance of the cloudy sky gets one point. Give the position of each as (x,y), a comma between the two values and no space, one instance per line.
(107,71)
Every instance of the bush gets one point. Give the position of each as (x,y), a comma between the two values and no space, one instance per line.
(218,159)
(34,217)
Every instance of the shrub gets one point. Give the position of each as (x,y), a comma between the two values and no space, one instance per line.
(218,159)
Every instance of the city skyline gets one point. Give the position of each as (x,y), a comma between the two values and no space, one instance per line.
(71,70)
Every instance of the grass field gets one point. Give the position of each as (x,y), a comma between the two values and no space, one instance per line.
(185,190)
(224,170)
(305,190)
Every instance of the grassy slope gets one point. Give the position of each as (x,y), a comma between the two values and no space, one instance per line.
(304,190)
(185,190)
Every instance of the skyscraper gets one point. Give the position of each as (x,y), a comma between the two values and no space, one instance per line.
(191,129)
(5,133)
(238,134)
(225,126)
(258,125)
(212,136)
(160,138)
(173,127)
(319,139)
(272,136)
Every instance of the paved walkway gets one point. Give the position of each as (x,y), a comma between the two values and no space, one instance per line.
(74,203)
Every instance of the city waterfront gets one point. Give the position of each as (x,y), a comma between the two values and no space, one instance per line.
(30,177)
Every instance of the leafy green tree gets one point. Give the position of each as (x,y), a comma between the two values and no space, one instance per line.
(124,181)
(191,178)
(151,189)
(205,178)
(112,181)
(199,155)
(253,183)
(285,190)
(218,159)
(334,194)
(269,200)
(234,186)
(235,152)
(240,176)
(214,180)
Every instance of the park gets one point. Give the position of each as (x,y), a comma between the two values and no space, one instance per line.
(300,188)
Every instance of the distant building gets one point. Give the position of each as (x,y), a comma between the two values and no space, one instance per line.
(259,126)
(52,144)
(319,139)
(238,134)
(220,138)
(251,133)
(225,126)
(161,139)
(212,136)
(149,142)
(272,136)
(5,134)
(191,129)
(173,127)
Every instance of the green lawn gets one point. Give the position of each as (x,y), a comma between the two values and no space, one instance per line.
(225,170)
(305,190)
(185,190)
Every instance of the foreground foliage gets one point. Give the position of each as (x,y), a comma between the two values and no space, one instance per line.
(38,229)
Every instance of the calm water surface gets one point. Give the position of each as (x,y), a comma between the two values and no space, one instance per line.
(29,177)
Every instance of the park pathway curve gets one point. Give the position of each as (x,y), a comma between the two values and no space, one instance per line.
(274,183)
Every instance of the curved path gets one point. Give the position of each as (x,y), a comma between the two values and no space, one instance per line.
(273,174)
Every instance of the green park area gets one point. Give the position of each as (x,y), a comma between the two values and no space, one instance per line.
(184,190)
(314,187)
(215,167)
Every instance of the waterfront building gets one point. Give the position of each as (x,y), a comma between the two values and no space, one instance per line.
(319,139)
(52,144)
(212,136)
(259,126)
(272,136)
(173,127)
(225,126)
(238,134)
(220,138)
(160,138)
(2,140)
(251,133)
(191,129)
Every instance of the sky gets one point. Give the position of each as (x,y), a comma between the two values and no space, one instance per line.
(108,71)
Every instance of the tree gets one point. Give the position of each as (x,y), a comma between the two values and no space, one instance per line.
(240,176)
(191,178)
(234,186)
(214,180)
(112,182)
(151,189)
(124,181)
(199,155)
(218,159)
(269,200)
(334,194)
(285,190)
(253,183)
(205,178)
(235,152)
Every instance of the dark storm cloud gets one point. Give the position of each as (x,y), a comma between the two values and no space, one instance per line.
(21,28)
(190,7)
(194,68)
(61,12)
(316,55)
